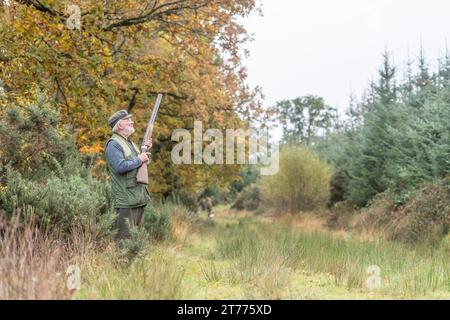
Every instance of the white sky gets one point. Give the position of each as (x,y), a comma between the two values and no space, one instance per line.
(330,47)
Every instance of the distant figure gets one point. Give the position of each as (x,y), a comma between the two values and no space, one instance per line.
(206,205)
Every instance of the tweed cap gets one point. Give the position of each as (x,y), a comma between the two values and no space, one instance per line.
(116,117)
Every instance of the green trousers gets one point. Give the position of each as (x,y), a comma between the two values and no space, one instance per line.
(135,217)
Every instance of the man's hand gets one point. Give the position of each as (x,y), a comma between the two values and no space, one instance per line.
(148,143)
(144,157)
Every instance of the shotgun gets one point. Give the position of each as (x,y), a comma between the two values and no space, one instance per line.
(142,173)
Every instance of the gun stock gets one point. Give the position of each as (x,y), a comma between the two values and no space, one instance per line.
(142,174)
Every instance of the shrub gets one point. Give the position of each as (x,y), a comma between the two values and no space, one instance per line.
(162,220)
(185,199)
(69,202)
(136,246)
(424,218)
(338,186)
(340,215)
(302,182)
(248,199)
(158,222)
(32,139)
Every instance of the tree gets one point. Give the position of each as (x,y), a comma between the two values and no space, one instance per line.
(124,53)
(304,118)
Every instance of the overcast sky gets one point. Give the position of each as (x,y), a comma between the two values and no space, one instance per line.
(330,47)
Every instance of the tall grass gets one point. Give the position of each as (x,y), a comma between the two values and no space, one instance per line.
(258,248)
(33,264)
(154,276)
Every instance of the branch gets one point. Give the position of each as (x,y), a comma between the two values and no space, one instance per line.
(161,10)
(61,89)
(173,95)
(41,7)
(133,99)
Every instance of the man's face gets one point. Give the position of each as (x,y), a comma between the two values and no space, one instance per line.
(127,126)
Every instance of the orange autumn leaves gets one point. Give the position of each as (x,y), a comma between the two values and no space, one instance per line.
(188,50)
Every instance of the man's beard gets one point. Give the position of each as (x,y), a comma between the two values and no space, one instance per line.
(128,130)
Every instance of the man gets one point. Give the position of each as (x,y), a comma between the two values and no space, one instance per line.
(124,159)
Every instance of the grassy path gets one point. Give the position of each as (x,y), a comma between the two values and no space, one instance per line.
(247,257)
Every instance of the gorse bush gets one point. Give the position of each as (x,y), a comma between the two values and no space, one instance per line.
(70,202)
(32,140)
(158,222)
(135,246)
(41,169)
(302,182)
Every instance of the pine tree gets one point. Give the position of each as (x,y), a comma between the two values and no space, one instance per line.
(386,89)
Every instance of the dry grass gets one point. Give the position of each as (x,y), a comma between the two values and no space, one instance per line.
(180,229)
(33,262)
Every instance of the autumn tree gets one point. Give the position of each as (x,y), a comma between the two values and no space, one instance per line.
(122,54)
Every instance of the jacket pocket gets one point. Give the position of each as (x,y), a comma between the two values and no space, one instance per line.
(131,179)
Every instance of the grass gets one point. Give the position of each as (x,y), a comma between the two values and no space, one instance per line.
(155,276)
(234,256)
(260,248)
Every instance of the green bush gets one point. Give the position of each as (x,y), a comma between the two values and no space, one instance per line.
(69,202)
(159,219)
(186,199)
(136,246)
(302,182)
(248,199)
(32,139)
(158,222)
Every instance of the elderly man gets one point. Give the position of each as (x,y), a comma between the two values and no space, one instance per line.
(124,159)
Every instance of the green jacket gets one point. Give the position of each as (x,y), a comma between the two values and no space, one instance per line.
(126,192)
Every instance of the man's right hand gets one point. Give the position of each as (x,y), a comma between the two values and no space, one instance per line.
(144,157)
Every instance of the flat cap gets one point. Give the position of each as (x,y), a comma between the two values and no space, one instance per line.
(116,117)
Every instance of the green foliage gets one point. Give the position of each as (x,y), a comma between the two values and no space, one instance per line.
(247,176)
(338,187)
(248,199)
(42,170)
(32,140)
(68,202)
(158,222)
(135,246)
(302,118)
(402,141)
(186,199)
(302,182)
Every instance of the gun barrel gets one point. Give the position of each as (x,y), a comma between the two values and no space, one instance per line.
(149,130)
